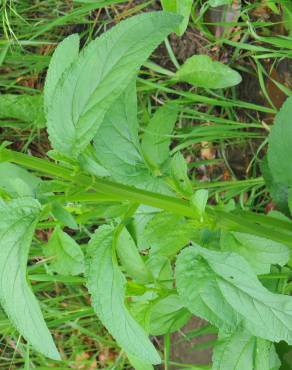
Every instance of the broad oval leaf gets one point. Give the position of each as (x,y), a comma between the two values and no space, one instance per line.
(18,219)
(198,289)
(99,75)
(106,285)
(241,350)
(222,288)
(202,71)
(280,145)
(261,253)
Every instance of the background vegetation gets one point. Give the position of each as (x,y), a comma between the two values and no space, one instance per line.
(223,136)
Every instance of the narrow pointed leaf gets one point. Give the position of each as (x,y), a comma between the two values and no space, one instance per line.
(18,219)
(99,75)
(106,285)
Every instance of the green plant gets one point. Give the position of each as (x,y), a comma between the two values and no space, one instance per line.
(159,222)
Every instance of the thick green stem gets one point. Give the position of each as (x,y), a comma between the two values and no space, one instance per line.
(102,189)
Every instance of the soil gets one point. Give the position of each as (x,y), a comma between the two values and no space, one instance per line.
(183,351)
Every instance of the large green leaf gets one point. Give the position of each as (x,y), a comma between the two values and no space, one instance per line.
(98,77)
(20,110)
(156,138)
(198,288)
(261,253)
(242,351)
(280,145)
(18,219)
(117,145)
(106,285)
(202,71)
(222,288)
(181,7)
(66,256)
(63,57)
(17,181)
(116,142)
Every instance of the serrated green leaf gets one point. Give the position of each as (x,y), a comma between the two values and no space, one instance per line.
(156,138)
(242,351)
(280,145)
(106,285)
(80,101)
(261,253)
(18,219)
(17,181)
(198,288)
(17,110)
(65,255)
(167,233)
(116,143)
(64,55)
(202,71)
(181,7)
(222,288)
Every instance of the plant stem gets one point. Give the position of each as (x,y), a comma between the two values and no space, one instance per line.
(102,189)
